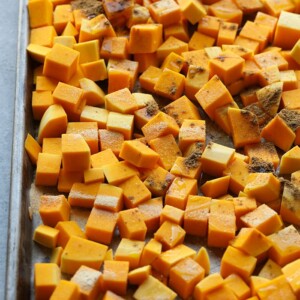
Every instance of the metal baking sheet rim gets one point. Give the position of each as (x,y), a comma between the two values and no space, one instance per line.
(18,271)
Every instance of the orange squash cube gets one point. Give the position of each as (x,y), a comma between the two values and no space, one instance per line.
(109,197)
(101,225)
(212,95)
(83,195)
(61,63)
(151,211)
(46,278)
(216,187)
(115,276)
(167,259)
(182,284)
(238,262)
(130,250)
(179,191)
(46,236)
(285,245)
(66,230)
(53,209)
(87,279)
(263,218)
(170,235)
(207,285)
(221,223)
(122,123)
(131,224)
(150,252)
(32,148)
(67,290)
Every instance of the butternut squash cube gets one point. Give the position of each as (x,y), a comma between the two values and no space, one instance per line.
(244,126)
(209,25)
(92,92)
(46,236)
(70,98)
(276,287)
(145,38)
(290,161)
(184,276)
(62,14)
(109,295)
(151,211)
(167,149)
(216,187)
(109,197)
(139,275)
(264,187)
(290,209)
(32,148)
(207,285)
(94,114)
(40,103)
(160,125)
(166,12)
(149,78)
(38,52)
(61,63)
(122,123)
(53,209)
(83,195)
(251,241)
(251,30)
(101,225)
(95,28)
(138,154)
(285,245)
(237,262)
(188,167)
(172,214)
(118,172)
(243,205)
(154,289)
(70,29)
(103,158)
(192,10)
(40,13)
(238,171)
(131,224)
(284,136)
(238,286)
(46,278)
(228,11)
(66,230)
(158,181)
(53,123)
(134,192)
(67,179)
(170,84)
(87,279)
(170,235)
(43,36)
(56,255)
(291,273)
(78,252)
(216,158)
(202,258)
(263,218)
(221,293)
(93,175)
(287,30)
(167,259)
(295,52)
(66,290)
(221,223)
(115,276)
(213,95)
(121,101)
(196,215)
(94,70)
(47,169)
(150,252)
(75,153)
(179,191)
(270,270)
(130,250)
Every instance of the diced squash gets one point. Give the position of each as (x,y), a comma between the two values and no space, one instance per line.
(46,236)
(237,262)
(79,251)
(66,290)
(130,250)
(88,281)
(46,278)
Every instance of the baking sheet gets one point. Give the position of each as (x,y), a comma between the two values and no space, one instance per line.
(22,251)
